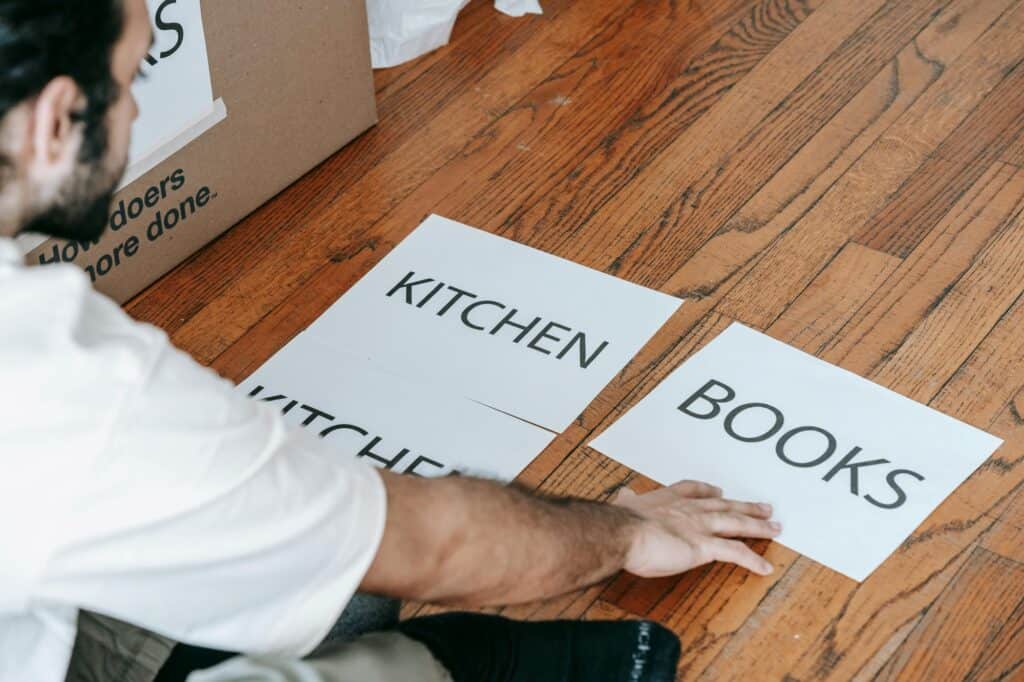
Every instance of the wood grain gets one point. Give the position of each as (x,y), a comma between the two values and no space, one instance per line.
(929,271)
(954,166)
(794,259)
(1006,536)
(1014,152)
(965,624)
(846,176)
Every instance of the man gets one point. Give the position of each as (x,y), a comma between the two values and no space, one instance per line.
(140,485)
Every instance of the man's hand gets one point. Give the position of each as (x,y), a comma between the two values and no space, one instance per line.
(469,542)
(688,524)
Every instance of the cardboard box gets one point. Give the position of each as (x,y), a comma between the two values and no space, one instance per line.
(296,82)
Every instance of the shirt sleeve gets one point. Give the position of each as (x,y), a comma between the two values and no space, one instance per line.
(203,517)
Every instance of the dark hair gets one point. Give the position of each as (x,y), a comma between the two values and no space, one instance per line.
(43,39)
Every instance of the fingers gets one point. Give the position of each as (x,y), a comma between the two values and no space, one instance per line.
(737,525)
(695,489)
(718,504)
(735,552)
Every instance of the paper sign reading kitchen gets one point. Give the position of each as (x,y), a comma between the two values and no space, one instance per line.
(390,422)
(495,321)
(851,467)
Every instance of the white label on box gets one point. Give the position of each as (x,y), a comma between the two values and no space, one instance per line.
(388,421)
(514,328)
(175,94)
(851,467)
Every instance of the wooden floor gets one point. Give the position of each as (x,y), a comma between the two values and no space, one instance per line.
(846,175)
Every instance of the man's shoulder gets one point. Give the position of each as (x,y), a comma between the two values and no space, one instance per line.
(59,329)
(34,297)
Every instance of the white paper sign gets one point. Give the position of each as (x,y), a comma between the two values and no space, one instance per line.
(390,422)
(851,467)
(495,321)
(175,94)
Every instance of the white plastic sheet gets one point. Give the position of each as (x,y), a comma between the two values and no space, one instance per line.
(401,30)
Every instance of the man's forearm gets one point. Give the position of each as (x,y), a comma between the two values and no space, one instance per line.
(473,542)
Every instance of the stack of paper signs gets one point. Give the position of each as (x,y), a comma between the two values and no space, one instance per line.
(462,351)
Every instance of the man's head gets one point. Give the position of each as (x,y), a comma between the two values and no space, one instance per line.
(66,110)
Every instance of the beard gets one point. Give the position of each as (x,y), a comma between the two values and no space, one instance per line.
(81,208)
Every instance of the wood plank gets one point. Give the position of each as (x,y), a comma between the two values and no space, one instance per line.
(993,373)
(398,154)
(1006,536)
(938,262)
(834,296)
(973,390)
(1003,660)
(704,60)
(962,318)
(797,620)
(638,595)
(664,215)
(1014,153)
(278,328)
(558,452)
(956,165)
(625,150)
(965,621)
(269,283)
(794,189)
(620,215)
(796,257)
(602,610)
(742,241)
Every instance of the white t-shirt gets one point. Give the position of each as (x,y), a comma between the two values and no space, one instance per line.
(137,484)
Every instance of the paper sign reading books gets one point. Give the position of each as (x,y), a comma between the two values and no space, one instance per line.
(851,467)
(511,327)
(389,422)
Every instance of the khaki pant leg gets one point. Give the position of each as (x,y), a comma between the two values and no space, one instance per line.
(377,657)
(107,650)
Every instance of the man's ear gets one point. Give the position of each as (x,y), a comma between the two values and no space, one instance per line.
(55,140)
